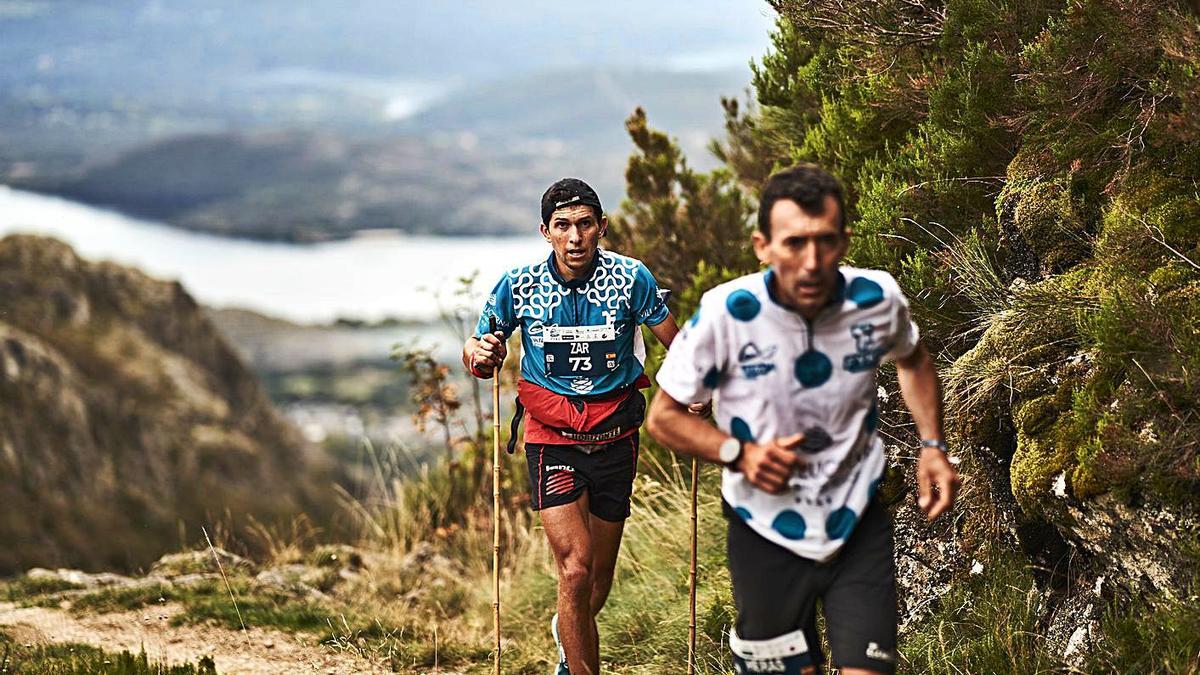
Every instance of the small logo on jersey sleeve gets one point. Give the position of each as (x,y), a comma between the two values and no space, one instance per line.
(868,350)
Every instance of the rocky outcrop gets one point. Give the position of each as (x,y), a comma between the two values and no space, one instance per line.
(126,421)
(311,579)
(1074,406)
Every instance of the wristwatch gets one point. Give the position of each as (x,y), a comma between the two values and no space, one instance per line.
(941,445)
(730,451)
(935,443)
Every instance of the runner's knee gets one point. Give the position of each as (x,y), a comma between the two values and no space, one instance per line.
(575,575)
(786,654)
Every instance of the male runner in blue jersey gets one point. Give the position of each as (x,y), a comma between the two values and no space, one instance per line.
(580,313)
(791,354)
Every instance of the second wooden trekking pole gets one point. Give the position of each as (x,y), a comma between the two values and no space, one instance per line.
(495,502)
(692,578)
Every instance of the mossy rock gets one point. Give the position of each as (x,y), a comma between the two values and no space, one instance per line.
(975,400)
(1027,348)
(1047,218)
(1055,434)
(1150,212)
(1038,460)
(336,556)
(200,562)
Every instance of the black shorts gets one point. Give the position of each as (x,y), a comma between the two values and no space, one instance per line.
(776,592)
(559,474)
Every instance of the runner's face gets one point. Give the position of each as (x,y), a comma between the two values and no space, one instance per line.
(805,252)
(574,233)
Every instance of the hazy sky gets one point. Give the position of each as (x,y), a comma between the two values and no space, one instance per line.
(417,40)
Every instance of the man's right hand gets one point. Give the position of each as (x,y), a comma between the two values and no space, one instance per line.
(769,466)
(488,352)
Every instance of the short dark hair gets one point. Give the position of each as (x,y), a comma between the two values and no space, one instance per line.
(806,184)
(569,192)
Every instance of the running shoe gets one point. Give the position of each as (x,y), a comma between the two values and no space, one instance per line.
(562,656)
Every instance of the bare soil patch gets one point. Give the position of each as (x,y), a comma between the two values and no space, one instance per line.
(256,651)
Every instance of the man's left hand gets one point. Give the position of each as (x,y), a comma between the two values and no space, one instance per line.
(937,482)
(701,409)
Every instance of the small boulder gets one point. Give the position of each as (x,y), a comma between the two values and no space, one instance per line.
(297,580)
(200,562)
(338,556)
(78,579)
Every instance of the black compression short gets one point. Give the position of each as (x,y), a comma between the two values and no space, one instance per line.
(559,474)
(776,592)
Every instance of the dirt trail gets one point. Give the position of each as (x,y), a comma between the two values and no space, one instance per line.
(258,651)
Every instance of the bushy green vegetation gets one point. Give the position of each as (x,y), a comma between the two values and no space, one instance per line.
(1030,173)
(1058,141)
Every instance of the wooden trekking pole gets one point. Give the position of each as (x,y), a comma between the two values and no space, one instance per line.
(495,502)
(692,578)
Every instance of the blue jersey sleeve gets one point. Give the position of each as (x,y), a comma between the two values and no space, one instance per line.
(499,305)
(649,301)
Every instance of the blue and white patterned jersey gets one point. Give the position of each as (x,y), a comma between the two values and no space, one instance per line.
(579,336)
(775,374)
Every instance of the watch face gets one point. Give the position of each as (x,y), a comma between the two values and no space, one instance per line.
(729,450)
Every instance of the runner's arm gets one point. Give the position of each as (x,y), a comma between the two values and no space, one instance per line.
(485,350)
(922,393)
(671,424)
(665,330)
(767,466)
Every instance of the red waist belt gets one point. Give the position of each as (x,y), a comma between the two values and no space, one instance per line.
(555,419)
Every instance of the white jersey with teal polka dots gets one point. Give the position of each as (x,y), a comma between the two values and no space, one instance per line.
(775,373)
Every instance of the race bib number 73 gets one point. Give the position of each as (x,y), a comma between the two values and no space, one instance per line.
(580,351)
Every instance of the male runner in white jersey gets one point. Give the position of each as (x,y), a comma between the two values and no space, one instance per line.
(580,313)
(791,354)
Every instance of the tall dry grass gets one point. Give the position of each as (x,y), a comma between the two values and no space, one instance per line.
(432,586)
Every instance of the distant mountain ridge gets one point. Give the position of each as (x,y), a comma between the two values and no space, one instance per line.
(307,187)
(484,103)
(475,162)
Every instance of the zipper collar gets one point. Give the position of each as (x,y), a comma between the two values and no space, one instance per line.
(573,283)
(830,307)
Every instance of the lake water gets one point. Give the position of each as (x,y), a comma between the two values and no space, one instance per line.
(366,278)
